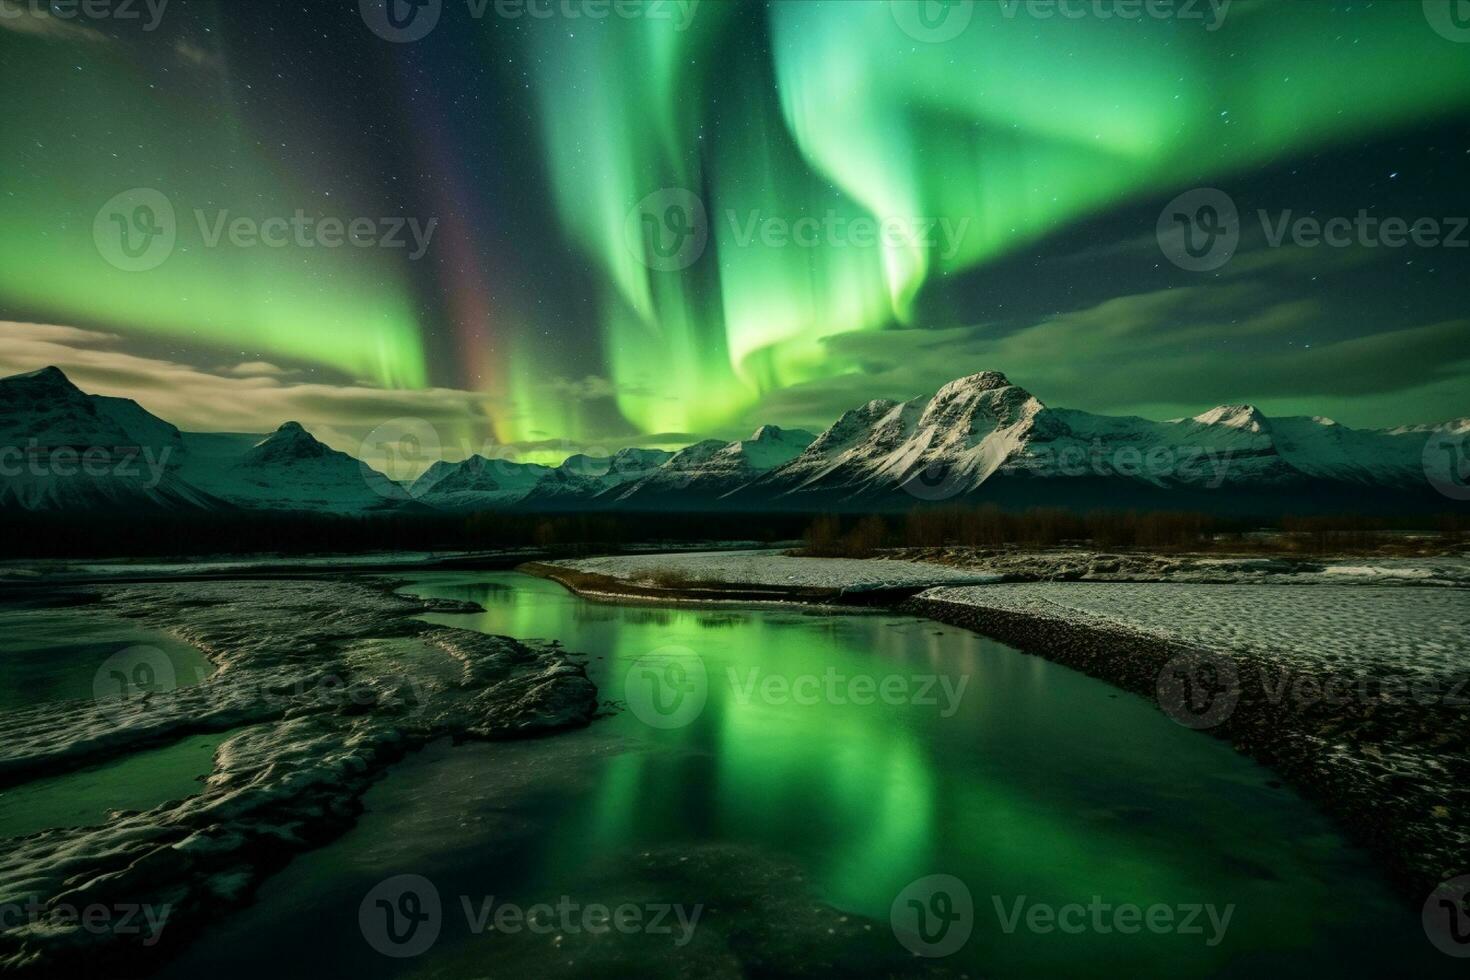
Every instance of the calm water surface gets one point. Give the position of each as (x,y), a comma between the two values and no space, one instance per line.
(55,654)
(1036,785)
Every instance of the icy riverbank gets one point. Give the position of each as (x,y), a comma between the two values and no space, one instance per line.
(1349,676)
(333,681)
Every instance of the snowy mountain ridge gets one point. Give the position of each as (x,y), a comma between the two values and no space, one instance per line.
(978,437)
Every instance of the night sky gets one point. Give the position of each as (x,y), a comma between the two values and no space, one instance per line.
(1029,159)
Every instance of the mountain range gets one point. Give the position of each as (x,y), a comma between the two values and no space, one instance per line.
(978,439)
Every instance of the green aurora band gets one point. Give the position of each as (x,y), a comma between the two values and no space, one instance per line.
(820,109)
(1010,131)
(346,308)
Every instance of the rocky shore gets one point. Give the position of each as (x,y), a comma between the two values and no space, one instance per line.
(327,681)
(1392,767)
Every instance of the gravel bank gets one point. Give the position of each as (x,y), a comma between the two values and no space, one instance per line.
(1378,733)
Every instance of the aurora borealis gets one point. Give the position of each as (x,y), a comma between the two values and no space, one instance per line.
(1014,171)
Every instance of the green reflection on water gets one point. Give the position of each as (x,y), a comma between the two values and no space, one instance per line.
(56,655)
(137,782)
(1042,784)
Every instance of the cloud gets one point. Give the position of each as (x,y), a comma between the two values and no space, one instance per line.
(1163,354)
(255,369)
(249,397)
(588,389)
(198,57)
(594,387)
(257,396)
(32,21)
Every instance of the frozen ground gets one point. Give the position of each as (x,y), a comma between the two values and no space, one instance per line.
(1086,565)
(774,568)
(1359,693)
(1408,632)
(900,569)
(333,679)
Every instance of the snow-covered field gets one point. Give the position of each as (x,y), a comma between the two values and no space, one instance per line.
(773,568)
(1403,617)
(1086,565)
(1339,628)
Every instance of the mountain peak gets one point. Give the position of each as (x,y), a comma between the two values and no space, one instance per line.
(290,441)
(46,379)
(1246,417)
(774,433)
(50,373)
(974,384)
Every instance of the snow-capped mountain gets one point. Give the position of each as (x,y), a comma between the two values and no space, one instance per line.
(477,483)
(712,469)
(981,437)
(291,470)
(64,450)
(978,439)
(582,478)
(947,445)
(480,483)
